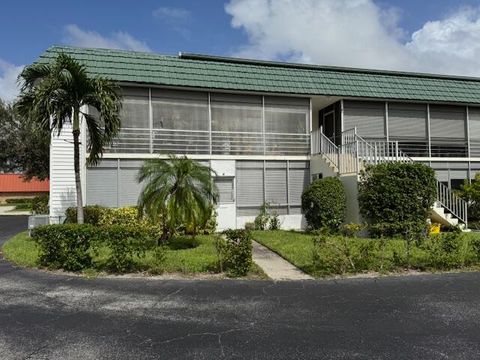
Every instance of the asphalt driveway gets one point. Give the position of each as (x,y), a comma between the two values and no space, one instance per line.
(46,316)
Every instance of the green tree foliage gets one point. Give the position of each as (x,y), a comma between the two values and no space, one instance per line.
(471,193)
(397,193)
(24,146)
(178,192)
(54,94)
(324,204)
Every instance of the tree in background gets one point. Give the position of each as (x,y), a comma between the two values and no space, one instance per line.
(178,192)
(24,146)
(54,94)
(471,193)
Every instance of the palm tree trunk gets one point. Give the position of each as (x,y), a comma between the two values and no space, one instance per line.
(76,164)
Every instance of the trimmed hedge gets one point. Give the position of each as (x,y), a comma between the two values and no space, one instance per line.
(396,193)
(65,246)
(324,204)
(92,214)
(70,246)
(235,252)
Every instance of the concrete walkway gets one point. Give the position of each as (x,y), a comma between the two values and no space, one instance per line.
(276,267)
(10,210)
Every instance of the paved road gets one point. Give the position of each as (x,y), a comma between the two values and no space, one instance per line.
(44,316)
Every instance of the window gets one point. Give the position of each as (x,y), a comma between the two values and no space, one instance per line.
(367,116)
(272,182)
(225,190)
(135,109)
(179,110)
(237,124)
(407,120)
(180,122)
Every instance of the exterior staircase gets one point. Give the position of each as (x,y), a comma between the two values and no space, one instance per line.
(354,153)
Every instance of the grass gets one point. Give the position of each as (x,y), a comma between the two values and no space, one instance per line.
(359,255)
(21,250)
(183,255)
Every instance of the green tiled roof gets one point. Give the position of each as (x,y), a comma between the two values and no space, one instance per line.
(210,72)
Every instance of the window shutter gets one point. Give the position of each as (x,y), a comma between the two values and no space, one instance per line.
(447,122)
(225,190)
(407,120)
(249,187)
(276,183)
(474,130)
(102,184)
(299,175)
(367,116)
(129,187)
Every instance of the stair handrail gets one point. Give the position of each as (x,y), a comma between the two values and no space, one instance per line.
(328,148)
(445,196)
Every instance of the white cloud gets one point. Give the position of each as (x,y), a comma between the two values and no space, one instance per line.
(356,33)
(76,36)
(8,80)
(171,14)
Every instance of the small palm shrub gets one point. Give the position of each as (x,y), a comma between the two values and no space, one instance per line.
(178,192)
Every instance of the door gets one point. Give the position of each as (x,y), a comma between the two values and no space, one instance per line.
(329,125)
(226,211)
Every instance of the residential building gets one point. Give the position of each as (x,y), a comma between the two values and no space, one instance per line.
(14,186)
(268,128)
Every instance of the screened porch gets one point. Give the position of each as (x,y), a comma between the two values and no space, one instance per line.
(158,120)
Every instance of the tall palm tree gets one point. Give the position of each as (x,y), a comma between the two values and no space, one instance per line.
(177,191)
(57,93)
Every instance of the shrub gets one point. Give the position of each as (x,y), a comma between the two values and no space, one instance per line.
(471,193)
(92,214)
(65,246)
(125,243)
(324,204)
(274,221)
(70,246)
(235,252)
(249,226)
(351,229)
(18,201)
(405,229)
(394,193)
(262,219)
(40,204)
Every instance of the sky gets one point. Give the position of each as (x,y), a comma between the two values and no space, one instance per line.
(437,36)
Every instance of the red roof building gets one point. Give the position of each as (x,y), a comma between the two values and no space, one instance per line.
(15,184)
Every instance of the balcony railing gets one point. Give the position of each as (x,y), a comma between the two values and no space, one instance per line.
(132,140)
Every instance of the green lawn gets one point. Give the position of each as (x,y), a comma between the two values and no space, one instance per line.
(360,255)
(21,250)
(183,255)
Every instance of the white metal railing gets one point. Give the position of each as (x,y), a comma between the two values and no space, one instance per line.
(454,204)
(355,152)
(179,141)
